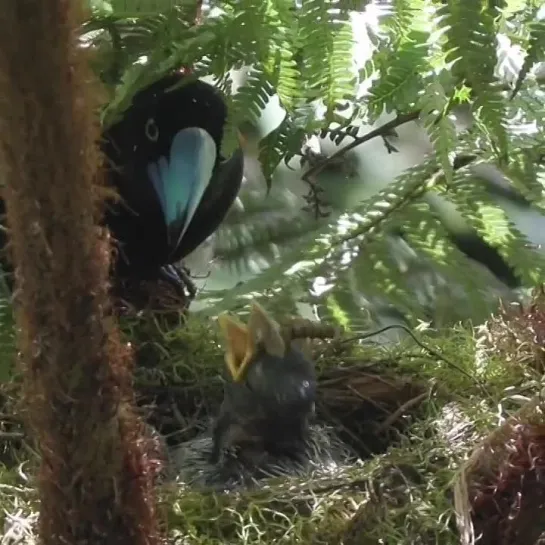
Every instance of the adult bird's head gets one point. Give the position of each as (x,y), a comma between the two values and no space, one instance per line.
(164,157)
(269,393)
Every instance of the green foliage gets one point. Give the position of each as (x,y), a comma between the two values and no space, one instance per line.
(427,61)
(387,251)
(402,62)
(535,52)
(492,223)
(441,129)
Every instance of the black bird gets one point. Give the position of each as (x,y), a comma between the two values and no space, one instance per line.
(175,188)
(265,424)
(166,165)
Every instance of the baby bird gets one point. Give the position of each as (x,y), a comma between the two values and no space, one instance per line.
(265,424)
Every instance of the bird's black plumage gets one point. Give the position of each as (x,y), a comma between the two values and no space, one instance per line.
(163,159)
(144,137)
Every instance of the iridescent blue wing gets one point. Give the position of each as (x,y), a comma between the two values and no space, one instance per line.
(218,199)
(181,179)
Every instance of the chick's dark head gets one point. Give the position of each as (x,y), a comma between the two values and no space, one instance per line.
(269,393)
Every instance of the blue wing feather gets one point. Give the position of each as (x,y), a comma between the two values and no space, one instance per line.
(155,172)
(181,181)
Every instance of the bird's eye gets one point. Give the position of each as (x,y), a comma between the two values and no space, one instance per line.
(152,132)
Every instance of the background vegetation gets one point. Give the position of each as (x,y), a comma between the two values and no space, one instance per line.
(432,110)
(381,131)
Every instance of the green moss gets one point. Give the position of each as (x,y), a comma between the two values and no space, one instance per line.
(400,495)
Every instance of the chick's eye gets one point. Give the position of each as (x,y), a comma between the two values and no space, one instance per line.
(152,132)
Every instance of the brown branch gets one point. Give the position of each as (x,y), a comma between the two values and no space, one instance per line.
(383,130)
(95,476)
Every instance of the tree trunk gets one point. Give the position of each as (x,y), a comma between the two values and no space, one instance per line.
(95,480)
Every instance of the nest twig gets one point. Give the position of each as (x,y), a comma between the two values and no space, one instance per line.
(300,328)
(366,404)
(132,297)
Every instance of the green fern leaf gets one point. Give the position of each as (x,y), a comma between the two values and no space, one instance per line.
(491,222)
(326,42)
(389,201)
(401,71)
(433,107)
(535,53)
(470,33)
(282,144)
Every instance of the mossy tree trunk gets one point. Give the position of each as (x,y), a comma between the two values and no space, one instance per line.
(95,477)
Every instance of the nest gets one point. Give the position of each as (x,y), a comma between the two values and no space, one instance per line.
(368,404)
(445,472)
(132,296)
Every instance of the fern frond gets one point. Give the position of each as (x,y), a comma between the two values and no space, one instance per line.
(527,176)
(281,64)
(338,135)
(368,277)
(489,112)
(491,222)
(187,46)
(264,230)
(306,252)
(246,105)
(425,59)
(433,107)
(326,42)
(427,235)
(395,197)
(282,144)
(403,61)
(535,52)
(401,72)
(470,38)
(470,41)
(407,16)
(525,122)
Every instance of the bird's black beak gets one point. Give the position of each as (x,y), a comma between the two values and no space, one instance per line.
(231,169)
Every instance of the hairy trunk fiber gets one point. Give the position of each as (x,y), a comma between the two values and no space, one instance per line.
(95,476)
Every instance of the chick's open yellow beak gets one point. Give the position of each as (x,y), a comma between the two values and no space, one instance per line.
(240,346)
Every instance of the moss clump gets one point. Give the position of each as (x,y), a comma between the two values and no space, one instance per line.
(517,333)
(500,489)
